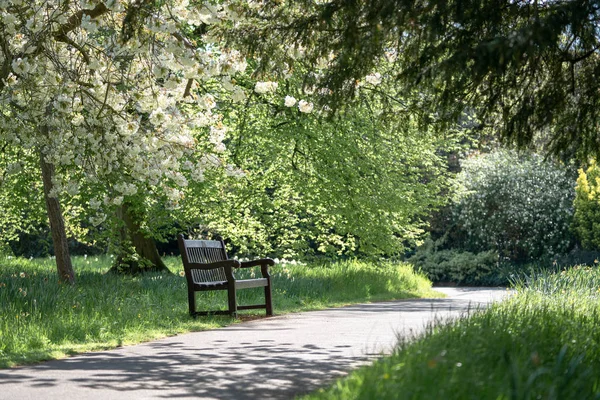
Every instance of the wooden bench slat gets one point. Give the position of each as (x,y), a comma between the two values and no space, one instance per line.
(251,283)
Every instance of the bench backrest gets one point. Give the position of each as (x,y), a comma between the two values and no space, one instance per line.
(202,252)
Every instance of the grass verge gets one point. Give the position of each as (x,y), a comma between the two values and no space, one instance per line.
(543,343)
(41,319)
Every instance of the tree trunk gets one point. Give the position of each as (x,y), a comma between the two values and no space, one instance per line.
(57,225)
(146,257)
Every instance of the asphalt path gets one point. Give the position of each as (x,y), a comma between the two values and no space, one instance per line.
(271,358)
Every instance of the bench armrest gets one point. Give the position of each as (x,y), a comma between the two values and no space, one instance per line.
(264,266)
(219,264)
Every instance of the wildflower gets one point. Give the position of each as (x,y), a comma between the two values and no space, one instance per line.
(181,273)
(22,275)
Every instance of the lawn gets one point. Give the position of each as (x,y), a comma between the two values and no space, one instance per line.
(43,319)
(543,343)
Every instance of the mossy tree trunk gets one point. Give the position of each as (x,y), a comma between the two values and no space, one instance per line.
(138,253)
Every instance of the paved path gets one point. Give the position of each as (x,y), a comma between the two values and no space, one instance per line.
(273,358)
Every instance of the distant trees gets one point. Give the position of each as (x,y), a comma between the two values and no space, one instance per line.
(137,109)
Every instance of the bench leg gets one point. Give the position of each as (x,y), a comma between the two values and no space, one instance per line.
(232,300)
(192,302)
(268,301)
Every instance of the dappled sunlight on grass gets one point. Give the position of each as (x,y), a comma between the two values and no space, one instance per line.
(42,318)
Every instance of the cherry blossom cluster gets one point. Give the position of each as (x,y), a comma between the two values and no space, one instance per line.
(117,95)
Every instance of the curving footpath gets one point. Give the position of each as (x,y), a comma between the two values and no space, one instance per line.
(272,358)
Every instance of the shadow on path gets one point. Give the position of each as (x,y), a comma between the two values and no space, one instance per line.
(268,358)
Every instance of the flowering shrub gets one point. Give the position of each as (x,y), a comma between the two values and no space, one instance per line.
(587,207)
(520,206)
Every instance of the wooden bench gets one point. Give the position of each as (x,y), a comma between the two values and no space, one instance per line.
(207,268)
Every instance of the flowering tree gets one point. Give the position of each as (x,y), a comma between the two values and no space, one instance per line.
(111,98)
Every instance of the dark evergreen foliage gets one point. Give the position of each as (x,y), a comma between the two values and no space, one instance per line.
(528,69)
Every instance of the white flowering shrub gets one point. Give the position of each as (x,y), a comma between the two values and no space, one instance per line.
(518,205)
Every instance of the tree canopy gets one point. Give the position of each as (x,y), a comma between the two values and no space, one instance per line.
(527,69)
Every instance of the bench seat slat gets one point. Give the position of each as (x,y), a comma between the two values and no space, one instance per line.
(250,283)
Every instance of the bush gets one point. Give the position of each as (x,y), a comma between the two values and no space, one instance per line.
(457,266)
(586,222)
(520,206)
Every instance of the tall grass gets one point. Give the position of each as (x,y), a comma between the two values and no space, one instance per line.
(41,318)
(543,343)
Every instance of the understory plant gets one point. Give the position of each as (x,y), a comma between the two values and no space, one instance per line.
(458,266)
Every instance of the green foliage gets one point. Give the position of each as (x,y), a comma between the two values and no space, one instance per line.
(517,205)
(525,68)
(42,319)
(543,343)
(586,222)
(352,185)
(462,267)
(20,187)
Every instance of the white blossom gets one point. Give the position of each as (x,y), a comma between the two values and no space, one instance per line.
(289,101)
(373,79)
(238,95)
(265,87)
(305,107)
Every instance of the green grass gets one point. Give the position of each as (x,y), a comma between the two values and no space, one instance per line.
(42,319)
(543,343)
